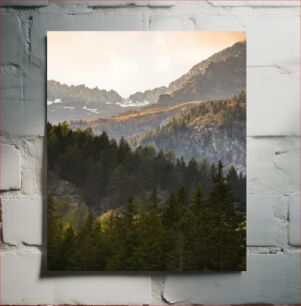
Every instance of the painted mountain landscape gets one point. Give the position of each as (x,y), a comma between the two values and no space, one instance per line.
(146,151)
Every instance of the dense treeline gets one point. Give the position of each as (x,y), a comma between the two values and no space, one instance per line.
(109,172)
(221,112)
(183,234)
(157,212)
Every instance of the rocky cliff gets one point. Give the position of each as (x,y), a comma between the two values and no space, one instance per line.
(213,130)
(220,76)
(152,95)
(69,103)
(134,122)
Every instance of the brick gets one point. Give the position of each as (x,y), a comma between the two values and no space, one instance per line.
(122,22)
(33,166)
(273,165)
(277,89)
(157,285)
(24,3)
(11,84)
(114,4)
(261,223)
(24,102)
(282,30)
(12,45)
(167,4)
(258,4)
(27,214)
(122,4)
(22,284)
(294,220)
(12,98)
(21,280)
(23,96)
(10,169)
(268,279)
(34,105)
(158,23)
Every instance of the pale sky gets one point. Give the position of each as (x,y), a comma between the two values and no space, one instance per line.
(129,61)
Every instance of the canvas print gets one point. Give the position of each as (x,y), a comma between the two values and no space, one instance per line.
(146,151)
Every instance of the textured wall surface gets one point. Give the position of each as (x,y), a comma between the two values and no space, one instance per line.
(273,158)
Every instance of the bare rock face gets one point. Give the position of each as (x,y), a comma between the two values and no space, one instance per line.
(238,50)
(219,77)
(63,190)
(80,93)
(213,130)
(135,122)
(215,143)
(164,125)
(151,95)
(73,103)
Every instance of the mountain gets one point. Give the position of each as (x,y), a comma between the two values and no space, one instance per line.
(238,50)
(103,173)
(221,76)
(151,95)
(206,80)
(134,122)
(215,130)
(66,103)
(80,92)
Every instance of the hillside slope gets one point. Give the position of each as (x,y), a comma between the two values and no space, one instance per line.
(220,76)
(213,130)
(134,122)
(66,103)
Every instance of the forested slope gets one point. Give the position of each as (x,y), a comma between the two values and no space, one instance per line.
(142,210)
(215,130)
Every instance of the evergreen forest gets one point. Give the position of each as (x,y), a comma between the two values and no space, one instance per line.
(141,210)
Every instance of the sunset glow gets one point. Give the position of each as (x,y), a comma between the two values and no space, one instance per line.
(130,61)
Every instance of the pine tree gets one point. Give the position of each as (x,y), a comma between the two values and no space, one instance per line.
(197,202)
(226,221)
(150,253)
(206,232)
(54,235)
(238,186)
(183,197)
(195,228)
(172,213)
(155,199)
(67,248)
(116,187)
(176,259)
(85,256)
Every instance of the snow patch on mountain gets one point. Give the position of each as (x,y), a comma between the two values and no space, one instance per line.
(130,103)
(92,110)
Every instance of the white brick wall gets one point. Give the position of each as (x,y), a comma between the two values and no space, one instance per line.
(10,171)
(22,221)
(270,279)
(24,284)
(273,160)
(24,3)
